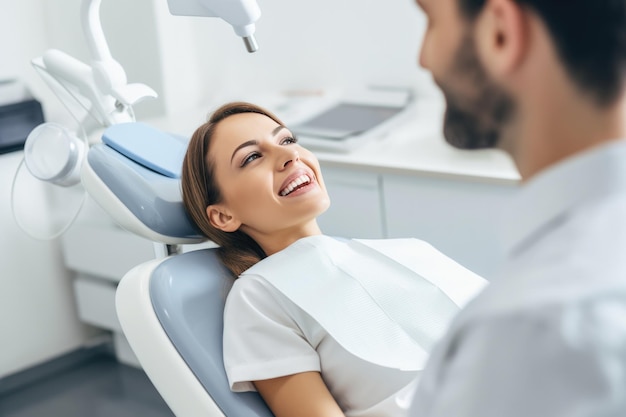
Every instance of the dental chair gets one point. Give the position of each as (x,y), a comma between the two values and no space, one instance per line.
(170,309)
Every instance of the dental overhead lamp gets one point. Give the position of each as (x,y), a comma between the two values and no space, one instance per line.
(240,14)
(99,98)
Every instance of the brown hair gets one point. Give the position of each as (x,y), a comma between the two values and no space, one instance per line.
(237,250)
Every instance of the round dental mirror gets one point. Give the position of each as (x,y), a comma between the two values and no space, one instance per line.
(53,154)
(46,194)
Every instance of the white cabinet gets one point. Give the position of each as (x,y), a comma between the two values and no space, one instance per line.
(101,253)
(356,204)
(103,249)
(456,215)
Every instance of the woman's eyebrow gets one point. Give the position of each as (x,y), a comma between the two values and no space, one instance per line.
(254,141)
(277,129)
(243,145)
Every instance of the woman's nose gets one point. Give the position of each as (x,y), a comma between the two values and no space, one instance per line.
(289,157)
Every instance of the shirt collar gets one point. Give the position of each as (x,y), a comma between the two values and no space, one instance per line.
(581,178)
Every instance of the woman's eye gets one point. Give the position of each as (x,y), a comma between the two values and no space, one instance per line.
(289,140)
(250,158)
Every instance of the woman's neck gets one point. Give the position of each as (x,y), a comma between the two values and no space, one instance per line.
(278,240)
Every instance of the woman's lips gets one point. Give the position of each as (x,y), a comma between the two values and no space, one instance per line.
(295,182)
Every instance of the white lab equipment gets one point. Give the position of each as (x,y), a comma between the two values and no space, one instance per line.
(97,95)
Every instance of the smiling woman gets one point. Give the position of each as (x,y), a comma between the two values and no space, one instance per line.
(258,166)
(319,326)
(241,176)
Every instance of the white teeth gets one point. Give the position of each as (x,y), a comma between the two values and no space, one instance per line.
(302,179)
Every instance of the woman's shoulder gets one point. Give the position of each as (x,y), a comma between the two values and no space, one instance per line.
(251,286)
(256,293)
(254,300)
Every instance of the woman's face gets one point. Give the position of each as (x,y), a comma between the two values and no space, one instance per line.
(271,187)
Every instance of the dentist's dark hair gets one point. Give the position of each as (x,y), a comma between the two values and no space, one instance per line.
(237,251)
(589,36)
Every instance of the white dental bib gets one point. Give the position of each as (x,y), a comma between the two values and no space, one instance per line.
(385,301)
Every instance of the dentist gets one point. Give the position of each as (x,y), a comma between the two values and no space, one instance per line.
(544,80)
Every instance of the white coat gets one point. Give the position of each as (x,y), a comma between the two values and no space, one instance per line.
(548,337)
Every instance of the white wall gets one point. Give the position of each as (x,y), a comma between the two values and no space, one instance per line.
(37,314)
(190,62)
(304,45)
(37,311)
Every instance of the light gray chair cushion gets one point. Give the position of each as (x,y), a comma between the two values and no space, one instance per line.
(188,292)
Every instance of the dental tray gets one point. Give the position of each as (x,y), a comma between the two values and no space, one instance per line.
(150,147)
(344,121)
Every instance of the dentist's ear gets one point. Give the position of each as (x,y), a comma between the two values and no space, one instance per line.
(222,219)
(503,36)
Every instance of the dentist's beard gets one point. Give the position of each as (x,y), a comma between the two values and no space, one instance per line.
(474,120)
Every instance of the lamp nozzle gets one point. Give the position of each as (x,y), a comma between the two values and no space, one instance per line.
(250,43)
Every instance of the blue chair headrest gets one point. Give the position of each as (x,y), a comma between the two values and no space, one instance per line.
(135,175)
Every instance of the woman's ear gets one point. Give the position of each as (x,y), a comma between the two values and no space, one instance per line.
(221,218)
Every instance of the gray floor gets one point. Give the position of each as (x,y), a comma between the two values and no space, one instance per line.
(97,387)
